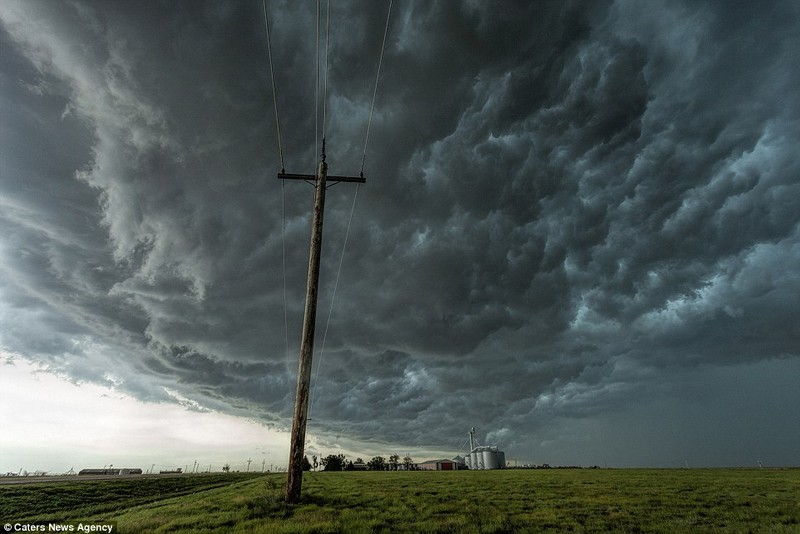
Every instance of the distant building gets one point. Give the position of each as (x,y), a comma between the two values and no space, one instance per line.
(438,465)
(98,472)
(111,471)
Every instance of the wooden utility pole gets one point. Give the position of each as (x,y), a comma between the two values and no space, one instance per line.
(294,480)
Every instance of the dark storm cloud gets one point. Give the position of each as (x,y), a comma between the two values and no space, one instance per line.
(565,203)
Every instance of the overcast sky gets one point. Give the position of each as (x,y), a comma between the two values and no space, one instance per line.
(579,232)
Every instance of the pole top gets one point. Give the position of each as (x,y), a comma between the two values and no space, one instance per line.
(323,166)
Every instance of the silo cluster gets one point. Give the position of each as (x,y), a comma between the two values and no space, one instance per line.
(485,458)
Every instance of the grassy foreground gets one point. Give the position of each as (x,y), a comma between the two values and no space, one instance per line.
(600,500)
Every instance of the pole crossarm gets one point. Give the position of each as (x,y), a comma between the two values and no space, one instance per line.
(313,178)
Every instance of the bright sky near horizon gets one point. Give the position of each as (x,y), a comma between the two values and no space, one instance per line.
(580,231)
(51,424)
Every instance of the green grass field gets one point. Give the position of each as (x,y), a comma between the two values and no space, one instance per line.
(557,500)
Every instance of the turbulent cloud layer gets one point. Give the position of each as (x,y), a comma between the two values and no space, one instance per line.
(570,207)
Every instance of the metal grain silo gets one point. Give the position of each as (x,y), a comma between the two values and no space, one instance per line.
(477,458)
(483,456)
(490,459)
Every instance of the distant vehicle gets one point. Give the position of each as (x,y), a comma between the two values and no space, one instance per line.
(177,471)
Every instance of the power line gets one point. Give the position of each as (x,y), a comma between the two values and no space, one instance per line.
(355,196)
(333,299)
(327,45)
(285,305)
(324,78)
(316,97)
(375,92)
(272,76)
(283,168)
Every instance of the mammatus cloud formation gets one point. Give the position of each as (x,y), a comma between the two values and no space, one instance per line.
(578,216)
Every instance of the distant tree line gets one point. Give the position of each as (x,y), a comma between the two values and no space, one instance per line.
(339,462)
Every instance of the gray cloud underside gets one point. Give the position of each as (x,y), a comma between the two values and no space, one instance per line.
(566,203)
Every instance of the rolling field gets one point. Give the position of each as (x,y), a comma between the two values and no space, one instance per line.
(597,500)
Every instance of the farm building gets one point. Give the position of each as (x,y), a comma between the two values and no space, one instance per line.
(111,471)
(438,465)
